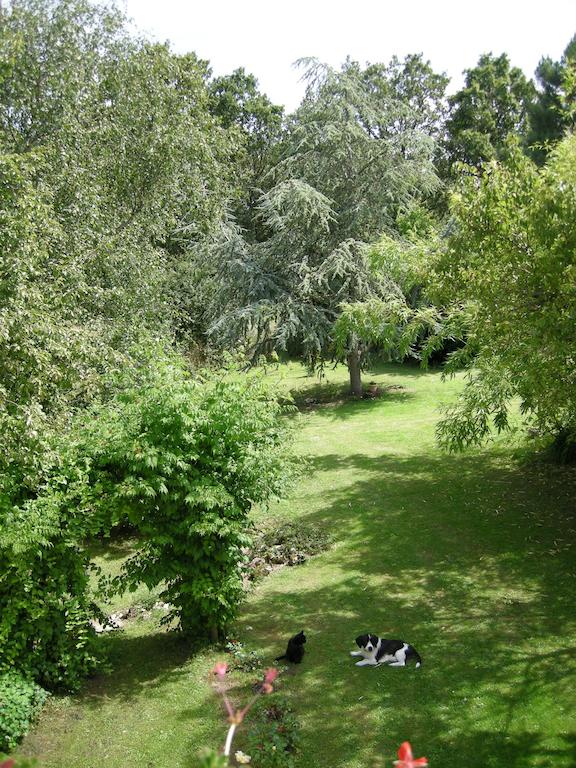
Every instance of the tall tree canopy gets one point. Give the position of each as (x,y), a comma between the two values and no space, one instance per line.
(238,103)
(414,86)
(492,105)
(356,144)
(351,161)
(110,166)
(553,110)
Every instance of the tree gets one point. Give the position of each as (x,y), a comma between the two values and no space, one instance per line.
(288,290)
(492,105)
(413,85)
(237,103)
(51,52)
(346,170)
(552,111)
(111,165)
(506,281)
(356,145)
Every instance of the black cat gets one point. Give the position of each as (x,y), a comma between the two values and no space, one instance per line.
(295,650)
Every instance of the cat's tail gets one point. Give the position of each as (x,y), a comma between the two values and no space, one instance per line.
(413,653)
(278,658)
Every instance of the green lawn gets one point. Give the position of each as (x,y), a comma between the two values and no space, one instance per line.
(471,558)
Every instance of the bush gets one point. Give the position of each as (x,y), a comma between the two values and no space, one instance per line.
(45,607)
(20,703)
(182,459)
(243,659)
(272,739)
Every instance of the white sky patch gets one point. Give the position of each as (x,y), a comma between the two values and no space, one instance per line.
(266,37)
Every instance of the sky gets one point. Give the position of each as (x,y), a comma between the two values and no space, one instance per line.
(266,37)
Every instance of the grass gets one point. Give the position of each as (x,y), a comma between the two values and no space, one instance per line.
(470,558)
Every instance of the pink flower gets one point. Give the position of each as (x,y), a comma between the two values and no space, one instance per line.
(220,669)
(271,675)
(406,759)
(8,764)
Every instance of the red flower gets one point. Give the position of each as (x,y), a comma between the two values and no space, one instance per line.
(8,764)
(406,759)
(219,669)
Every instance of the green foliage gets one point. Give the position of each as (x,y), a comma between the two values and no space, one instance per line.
(417,91)
(552,111)
(377,323)
(110,165)
(50,51)
(356,155)
(272,739)
(492,105)
(183,460)
(211,759)
(405,260)
(509,272)
(237,103)
(287,291)
(243,659)
(20,702)
(45,607)
(29,337)
(359,141)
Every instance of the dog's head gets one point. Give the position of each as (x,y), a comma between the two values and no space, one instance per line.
(367,642)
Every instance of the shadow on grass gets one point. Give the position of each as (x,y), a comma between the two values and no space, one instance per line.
(142,662)
(336,402)
(494,750)
(471,560)
(114,548)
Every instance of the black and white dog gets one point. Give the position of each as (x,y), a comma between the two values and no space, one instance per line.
(379,650)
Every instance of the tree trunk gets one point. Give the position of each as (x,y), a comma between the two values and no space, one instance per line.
(354,369)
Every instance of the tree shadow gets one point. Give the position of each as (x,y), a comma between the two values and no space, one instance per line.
(493,750)
(137,663)
(336,403)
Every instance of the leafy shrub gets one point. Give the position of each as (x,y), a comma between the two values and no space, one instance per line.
(20,703)
(45,607)
(244,660)
(183,459)
(272,739)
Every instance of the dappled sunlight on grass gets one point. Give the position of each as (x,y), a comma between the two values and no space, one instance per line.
(471,558)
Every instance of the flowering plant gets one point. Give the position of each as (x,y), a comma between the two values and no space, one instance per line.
(405,757)
(236,716)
